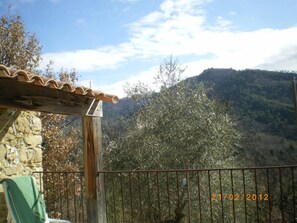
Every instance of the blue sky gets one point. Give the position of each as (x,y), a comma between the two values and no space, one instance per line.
(112,42)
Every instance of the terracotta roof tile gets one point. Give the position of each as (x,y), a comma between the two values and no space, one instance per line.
(35,79)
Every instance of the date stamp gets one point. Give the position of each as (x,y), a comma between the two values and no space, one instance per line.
(239,197)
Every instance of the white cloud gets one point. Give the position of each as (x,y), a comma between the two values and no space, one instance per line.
(179,28)
(117,88)
(89,60)
(153,35)
(232,13)
(80,22)
(223,23)
(284,60)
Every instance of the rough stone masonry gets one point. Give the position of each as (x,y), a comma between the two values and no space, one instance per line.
(20,147)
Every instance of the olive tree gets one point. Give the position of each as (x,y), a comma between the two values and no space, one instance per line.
(178,127)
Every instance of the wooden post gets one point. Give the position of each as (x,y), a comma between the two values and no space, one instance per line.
(95,196)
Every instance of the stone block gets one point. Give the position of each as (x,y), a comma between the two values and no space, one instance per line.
(37,158)
(10,136)
(29,154)
(33,140)
(22,124)
(2,151)
(35,124)
(23,155)
(12,155)
(2,175)
(14,170)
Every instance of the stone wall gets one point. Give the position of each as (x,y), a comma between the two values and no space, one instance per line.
(20,147)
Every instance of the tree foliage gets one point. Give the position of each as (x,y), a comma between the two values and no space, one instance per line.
(62,152)
(18,48)
(175,128)
(21,50)
(61,140)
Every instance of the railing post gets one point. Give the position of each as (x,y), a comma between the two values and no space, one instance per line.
(95,195)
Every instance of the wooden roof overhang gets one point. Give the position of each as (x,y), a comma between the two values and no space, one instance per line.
(27,91)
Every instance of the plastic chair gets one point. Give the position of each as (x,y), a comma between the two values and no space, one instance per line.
(24,202)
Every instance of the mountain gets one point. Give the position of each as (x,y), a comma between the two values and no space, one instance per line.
(263,97)
(261,102)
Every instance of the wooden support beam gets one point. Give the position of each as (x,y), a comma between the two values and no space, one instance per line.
(10,117)
(95,194)
(25,96)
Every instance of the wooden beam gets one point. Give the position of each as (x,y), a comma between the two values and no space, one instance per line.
(25,96)
(9,118)
(95,194)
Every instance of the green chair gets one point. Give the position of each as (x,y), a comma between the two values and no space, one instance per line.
(25,203)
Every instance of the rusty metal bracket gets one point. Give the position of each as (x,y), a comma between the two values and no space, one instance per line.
(95,109)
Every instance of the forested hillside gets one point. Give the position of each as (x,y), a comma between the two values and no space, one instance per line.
(261,102)
(262,96)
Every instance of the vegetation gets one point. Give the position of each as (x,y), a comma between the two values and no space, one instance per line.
(18,48)
(261,103)
(177,128)
(61,142)
(62,153)
(21,50)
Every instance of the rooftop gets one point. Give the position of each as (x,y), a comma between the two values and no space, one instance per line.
(22,89)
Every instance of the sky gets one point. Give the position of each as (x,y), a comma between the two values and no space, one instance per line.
(115,42)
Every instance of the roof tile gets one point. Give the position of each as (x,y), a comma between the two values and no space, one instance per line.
(35,79)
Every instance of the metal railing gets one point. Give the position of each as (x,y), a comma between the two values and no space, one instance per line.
(64,194)
(264,194)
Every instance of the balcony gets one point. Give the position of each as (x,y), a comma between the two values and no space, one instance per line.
(262,194)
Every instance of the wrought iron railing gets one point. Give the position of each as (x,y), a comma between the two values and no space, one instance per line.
(262,194)
(64,194)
